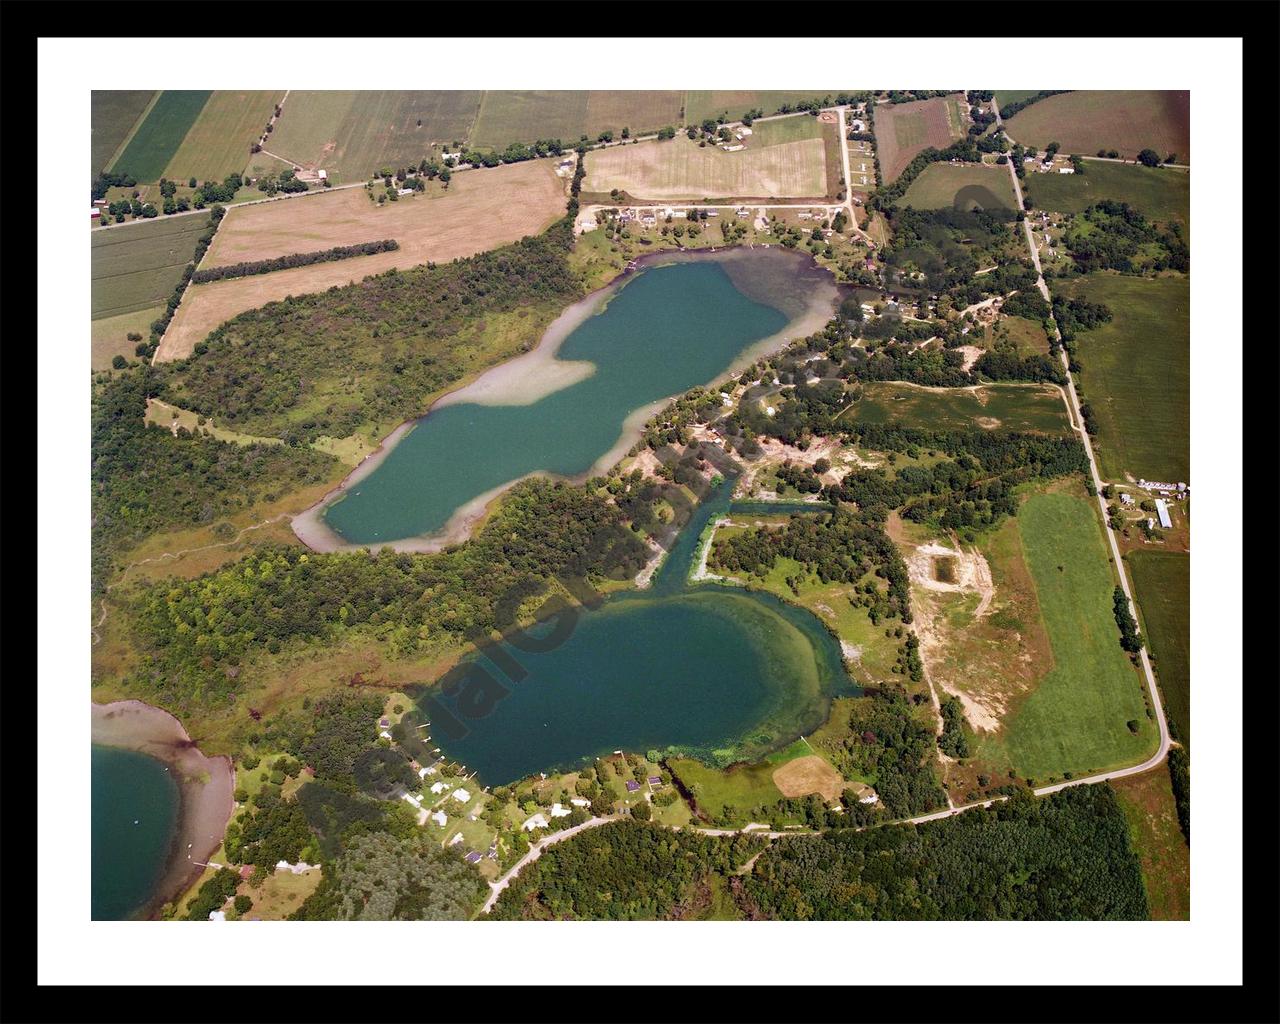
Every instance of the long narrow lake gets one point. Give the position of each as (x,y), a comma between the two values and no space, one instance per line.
(576,403)
(713,671)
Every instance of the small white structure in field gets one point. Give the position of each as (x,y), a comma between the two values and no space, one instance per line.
(579,801)
(734,148)
(744,130)
(415,800)
(539,820)
(1066,170)
(322,174)
(217,915)
(404,192)
(587,224)
(295,869)
(457,838)
(385,735)
(770,410)
(461,795)
(1126,499)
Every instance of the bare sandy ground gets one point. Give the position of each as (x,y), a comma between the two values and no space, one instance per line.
(205,785)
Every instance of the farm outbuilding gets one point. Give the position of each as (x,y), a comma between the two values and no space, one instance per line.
(1162,510)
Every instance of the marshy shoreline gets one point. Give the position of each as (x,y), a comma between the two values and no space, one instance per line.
(205,788)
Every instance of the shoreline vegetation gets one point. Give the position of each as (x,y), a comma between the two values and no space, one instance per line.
(531,376)
(205,787)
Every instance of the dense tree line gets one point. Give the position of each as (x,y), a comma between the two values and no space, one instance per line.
(953,742)
(145,479)
(1013,108)
(196,634)
(624,871)
(1180,780)
(286,369)
(105,181)
(1063,857)
(297,259)
(1008,365)
(1130,639)
(212,894)
(158,327)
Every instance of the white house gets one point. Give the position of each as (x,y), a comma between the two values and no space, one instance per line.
(440,818)
(457,838)
(461,795)
(744,130)
(439,787)
(415,800)
(559,812)
(539,820)
(217,915)
(385,735)
(424,772)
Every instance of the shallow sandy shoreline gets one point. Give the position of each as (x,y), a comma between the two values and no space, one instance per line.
(533,375)
(205,786)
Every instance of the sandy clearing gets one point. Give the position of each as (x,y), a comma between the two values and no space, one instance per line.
(483,209)
(971,354)
(807,775)
(972,573)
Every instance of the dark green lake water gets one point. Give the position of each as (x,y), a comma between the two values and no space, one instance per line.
(135,812)
(668,329)
(717,672)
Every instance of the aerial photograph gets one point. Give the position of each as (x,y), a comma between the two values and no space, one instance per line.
(645,505)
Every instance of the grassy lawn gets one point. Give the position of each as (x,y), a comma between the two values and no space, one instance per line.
(1028,335)
(1147,802)
(961,185)
(1162,194)
(110,335)
(279,895)
(1162,589)
(1128,121)
(1004,97)
(994,406)
(113,113)
(742,787)
(1075,718)
(161,133)
(137,266)
(1137,375)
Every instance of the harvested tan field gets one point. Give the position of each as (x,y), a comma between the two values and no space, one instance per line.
(807,775)
(482,209)
(905,129)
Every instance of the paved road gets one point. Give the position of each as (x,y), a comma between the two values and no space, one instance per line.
(1074,407)
(535,851)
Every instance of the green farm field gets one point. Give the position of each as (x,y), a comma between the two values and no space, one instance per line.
(352,134)
(1004,96)
(962,186)
(680,169)
(1075,718)
(1137,375)
(160,134)
(136,266)
(112,115)
(218,143)
(1162,194)
(701,104)
(110,335)
(511,116)
(1162,590)
(1025,407)
(1128,121)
